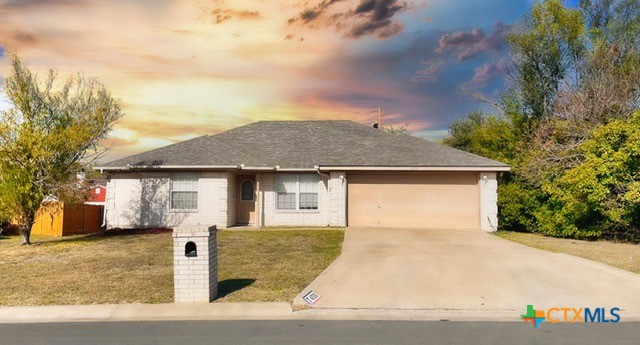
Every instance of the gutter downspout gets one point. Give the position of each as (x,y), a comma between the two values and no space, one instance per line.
(344,190)
(262,216)
(104,208)
(493,227)
(104,216)
(317,167)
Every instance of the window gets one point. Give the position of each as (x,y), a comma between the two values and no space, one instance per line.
(308,187)
(184,191)
(247,190)
(297,192)
(286,188)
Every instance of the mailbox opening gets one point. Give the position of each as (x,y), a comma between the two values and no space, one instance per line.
(190,250)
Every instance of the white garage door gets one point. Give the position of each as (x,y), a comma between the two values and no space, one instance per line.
(414,200)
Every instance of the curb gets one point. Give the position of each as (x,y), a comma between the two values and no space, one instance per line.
(250,311)
(146,312)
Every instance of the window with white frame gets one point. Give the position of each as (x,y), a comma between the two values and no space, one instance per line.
(297,191)
(184,191)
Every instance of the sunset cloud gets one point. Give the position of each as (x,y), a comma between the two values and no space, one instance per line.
(185,68)
(21,5)
(430,70)
(218,12)
(468,44)
(311,14)
(361,18)
(487,72)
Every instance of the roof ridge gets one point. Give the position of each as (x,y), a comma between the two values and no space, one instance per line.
(307,143)
(328,120)
(162,148)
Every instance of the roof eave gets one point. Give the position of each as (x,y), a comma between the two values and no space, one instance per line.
(240,167)
(321,168)
(415,168)
(165,167)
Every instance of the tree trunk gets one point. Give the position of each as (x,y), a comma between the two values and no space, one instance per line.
(26,237)
(25,231)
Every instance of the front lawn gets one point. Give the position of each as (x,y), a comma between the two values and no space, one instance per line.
(621,255)
(136,266)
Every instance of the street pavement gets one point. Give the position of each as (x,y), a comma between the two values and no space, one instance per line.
(316,332)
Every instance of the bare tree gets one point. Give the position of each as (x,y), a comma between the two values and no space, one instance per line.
(608,89)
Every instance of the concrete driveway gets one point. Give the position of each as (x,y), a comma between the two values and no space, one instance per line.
(464,270)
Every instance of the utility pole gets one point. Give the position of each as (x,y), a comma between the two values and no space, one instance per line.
(379,123)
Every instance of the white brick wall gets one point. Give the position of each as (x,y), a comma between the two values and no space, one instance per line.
(488,201)
(141,200)
(331,204)
(231,199)
(337,199)
(274,217)
(260,198)
(195,279)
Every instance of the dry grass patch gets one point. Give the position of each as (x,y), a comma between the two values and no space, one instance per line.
(128,267)
(621,255)
(137,267)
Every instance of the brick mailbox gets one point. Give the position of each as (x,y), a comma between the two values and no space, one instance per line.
(195,264)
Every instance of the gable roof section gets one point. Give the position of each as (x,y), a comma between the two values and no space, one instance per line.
(304,145)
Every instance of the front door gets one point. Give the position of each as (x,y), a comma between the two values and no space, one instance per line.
(246,200)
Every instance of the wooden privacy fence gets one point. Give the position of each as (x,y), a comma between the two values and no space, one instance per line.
(62,219)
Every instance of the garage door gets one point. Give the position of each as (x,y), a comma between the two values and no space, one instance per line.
(414,200)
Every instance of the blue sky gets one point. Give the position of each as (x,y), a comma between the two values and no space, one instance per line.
(188,68)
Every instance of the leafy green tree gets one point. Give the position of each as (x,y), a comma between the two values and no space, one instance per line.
(544,53)
(607,90)
(613,21)
(517,203)
(486,135)
(601,196)
(498,137)
(52,132)
(566,124)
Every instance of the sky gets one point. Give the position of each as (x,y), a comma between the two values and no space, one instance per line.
(185,68)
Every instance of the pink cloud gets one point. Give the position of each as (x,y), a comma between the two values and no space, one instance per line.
(468,44)
(485,73)
(430,71)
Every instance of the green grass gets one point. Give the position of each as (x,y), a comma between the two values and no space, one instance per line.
(622,255)
(137,267)
(282,262)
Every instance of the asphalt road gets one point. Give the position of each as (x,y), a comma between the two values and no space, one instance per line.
(316,332)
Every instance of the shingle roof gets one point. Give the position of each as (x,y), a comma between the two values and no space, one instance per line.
(305,144)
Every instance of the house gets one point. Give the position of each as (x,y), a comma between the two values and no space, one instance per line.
(97,193)
(304,173)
